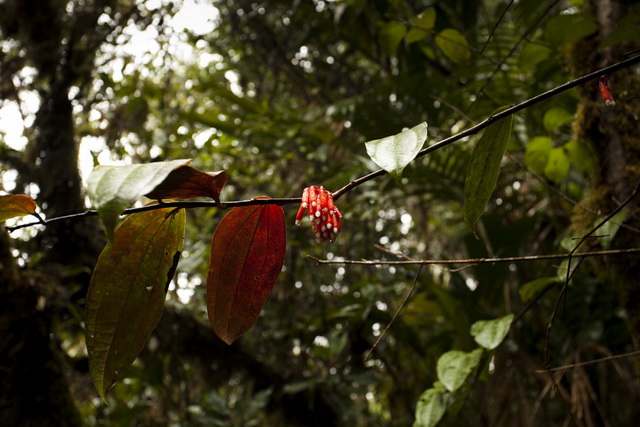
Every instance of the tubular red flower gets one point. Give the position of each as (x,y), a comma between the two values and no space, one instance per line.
(324,216)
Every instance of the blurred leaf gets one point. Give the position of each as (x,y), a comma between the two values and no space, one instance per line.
(566,29)
(558,165)
(425,20)
(610,228)
(623,32)
(187,182)
(415,34)
(484,168)
(391,35)
(556,117)
(15,205)
(536,154)
(431,406)
(113,188)
(581,155)
(490,333)
(531,289)
(455,366)
(453,44)
(247,253)
(127,291)
(533,53)
(394,153)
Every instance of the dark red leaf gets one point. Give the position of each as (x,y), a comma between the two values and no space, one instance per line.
(186,183)
(247,253)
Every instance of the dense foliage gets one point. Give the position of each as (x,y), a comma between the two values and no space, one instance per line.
(283,96)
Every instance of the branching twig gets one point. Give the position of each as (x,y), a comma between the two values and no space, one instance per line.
(590,362)
(447,141)
(479,260)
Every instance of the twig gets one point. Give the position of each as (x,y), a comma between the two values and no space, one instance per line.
(570,273)
(590,362)
(479,260)
(495,26)
(494,118)
(447,141)
(397,313)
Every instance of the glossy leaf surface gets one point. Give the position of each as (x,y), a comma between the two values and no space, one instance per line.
(114,188)
(127,291)
(484,168)
(247,253)
(490,333)
(394,153)
(15,205)
(187,182)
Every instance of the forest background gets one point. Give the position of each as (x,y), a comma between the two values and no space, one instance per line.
(283,95)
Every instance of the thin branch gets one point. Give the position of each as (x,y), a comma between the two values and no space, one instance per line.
(479,260)
(495,26)
(494,118)
(570,272)
(590,362)
(397,313)
(447,141)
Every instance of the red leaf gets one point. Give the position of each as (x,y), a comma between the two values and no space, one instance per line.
(186,182)
(247,253)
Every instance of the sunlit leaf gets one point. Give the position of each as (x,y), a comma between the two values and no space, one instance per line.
(187,182)
(15,205)
(531,289)
(430,408)
(556,117)
(558,165)
(247,253)
(536,154)
(484,168)
(127,291)
(490,333)
(453,44)
(391,35)
(114,188)
(394,153)
(455,366)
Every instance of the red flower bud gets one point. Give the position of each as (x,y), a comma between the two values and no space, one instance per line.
(324,215)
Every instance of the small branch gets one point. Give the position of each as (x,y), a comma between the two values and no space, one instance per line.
(591,362)
(479,260)
(447,141)
(494,118)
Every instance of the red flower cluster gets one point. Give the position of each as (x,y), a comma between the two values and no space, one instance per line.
(607,96)
(324,216)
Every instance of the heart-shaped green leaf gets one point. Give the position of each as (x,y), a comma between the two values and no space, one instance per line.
(15,205)
(490,333)
(431,406)
(114,188)
(247,253)
(127,291)
(484,168)
(394,153)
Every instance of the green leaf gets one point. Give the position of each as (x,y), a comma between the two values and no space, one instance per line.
(391,35)
(453,44)
(623,32)
(558,165)
(415,34)
(581,156)
(531,289)
(567,29)
(15,205)
(455,366)
(114,188)
(533,54)
(430,408)
(484,168)
(128,289)
(556,117)
(394,153)
(490,333)
(536,155)
(425,20)
(610,228)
